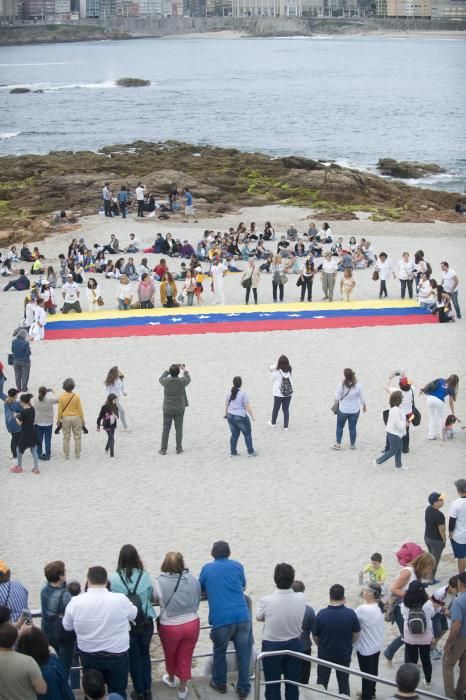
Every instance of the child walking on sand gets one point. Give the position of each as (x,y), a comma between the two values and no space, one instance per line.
(347,285)
(108,420)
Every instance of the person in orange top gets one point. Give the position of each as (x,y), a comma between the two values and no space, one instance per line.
(70,418)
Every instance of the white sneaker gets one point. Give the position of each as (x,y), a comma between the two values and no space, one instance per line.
(272,424)
(405,468)
(167,681)
(182,694)
(285,429)
(427,686)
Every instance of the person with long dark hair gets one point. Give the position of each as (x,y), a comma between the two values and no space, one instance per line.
(307,277)
(11,407)
(396,430)
(131,577)
(115,384)
(238,412)
(436,392)
(349,398)
(418,641)
(282,387)
(370,641)
(28,437)
(107,419)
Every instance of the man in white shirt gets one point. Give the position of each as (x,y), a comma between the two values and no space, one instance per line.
(70,294)
(140,192)
(107,196)
(101,622)
(282,614)
(40,318)
(457,525)
(134,244)
(217,271)
(450,285)
(406,270)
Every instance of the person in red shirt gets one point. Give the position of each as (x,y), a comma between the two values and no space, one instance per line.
(160,269)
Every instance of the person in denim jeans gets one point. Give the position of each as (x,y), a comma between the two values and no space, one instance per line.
(237,412)
(223,581)
(349,398)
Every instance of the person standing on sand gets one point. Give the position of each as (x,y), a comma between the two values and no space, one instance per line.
(70,418)
(434,533)
(28,437)
(349,398)
(188,205)
(237,412)
(457,525)
(21,351)
(107,198)
(107,419)
(450,284)
(396,430)
(250,280)
(218,271)
(328,275)
(282,387)
(115,384)
(383,267)
(455,646)
(406,274)
(175,402)
(140,192)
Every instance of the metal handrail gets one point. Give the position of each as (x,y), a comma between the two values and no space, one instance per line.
(327,664)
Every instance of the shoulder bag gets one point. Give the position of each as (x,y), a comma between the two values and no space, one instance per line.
(60,424)
(170,598)
(375,275)
(336,403)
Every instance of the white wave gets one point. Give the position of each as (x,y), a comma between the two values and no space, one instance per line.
(57,63)
(55,87)
(9,134)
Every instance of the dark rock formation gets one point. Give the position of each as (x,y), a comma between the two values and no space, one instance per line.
(407,169)
(132,82)
(19,90)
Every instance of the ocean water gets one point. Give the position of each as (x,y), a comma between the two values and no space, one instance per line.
(352,100)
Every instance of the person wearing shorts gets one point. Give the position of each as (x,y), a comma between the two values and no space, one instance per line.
(457,525)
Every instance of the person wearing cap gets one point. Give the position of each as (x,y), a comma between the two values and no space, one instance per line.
(223,581)
(406,406)
(434,534)
(70,293)
(328,275)
(457,525)
(455,646)
(13,594)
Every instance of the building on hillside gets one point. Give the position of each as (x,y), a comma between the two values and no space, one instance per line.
(409,8)
(39,9)
(449,9)
(294,8)
(10,10)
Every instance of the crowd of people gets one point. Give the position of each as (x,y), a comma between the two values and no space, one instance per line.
(315,256)
(105,628)
(30,419)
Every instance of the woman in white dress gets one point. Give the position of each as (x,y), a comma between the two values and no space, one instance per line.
(93,295)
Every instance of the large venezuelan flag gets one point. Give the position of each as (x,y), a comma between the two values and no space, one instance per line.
(233,319)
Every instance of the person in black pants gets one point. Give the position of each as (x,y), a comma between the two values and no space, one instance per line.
(434,533)
(307,277)
(336,629)
(370,642)
(418,644)
(308,624)
(282,390)
(108,420)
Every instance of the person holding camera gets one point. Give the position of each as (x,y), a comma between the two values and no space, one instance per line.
(174,382)
(71,418)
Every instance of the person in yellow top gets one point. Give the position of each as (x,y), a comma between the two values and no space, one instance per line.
(376,572)
(70,418)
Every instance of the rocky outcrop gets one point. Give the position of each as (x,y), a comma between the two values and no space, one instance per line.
(221,179)
(19,90)
(132,82)
(407,170)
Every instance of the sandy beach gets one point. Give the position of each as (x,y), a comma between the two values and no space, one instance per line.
(298,501)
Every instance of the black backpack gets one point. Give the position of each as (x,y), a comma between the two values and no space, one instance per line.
(417,621)
(139,623)
(56,633)
(285,386)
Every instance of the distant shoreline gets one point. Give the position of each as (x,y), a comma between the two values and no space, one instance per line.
(228,28)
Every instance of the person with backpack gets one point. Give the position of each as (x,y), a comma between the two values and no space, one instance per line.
(436,392)
(107,419)
(282,387)
(417,565)
(349,398)
(54,598)
(418,611)
(131,579)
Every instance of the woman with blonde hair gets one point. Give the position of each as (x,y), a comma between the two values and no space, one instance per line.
(279,278)
(419,569)
(179,594)
(124,294)
(250,280)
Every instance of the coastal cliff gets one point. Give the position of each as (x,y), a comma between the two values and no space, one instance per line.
(32,187)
